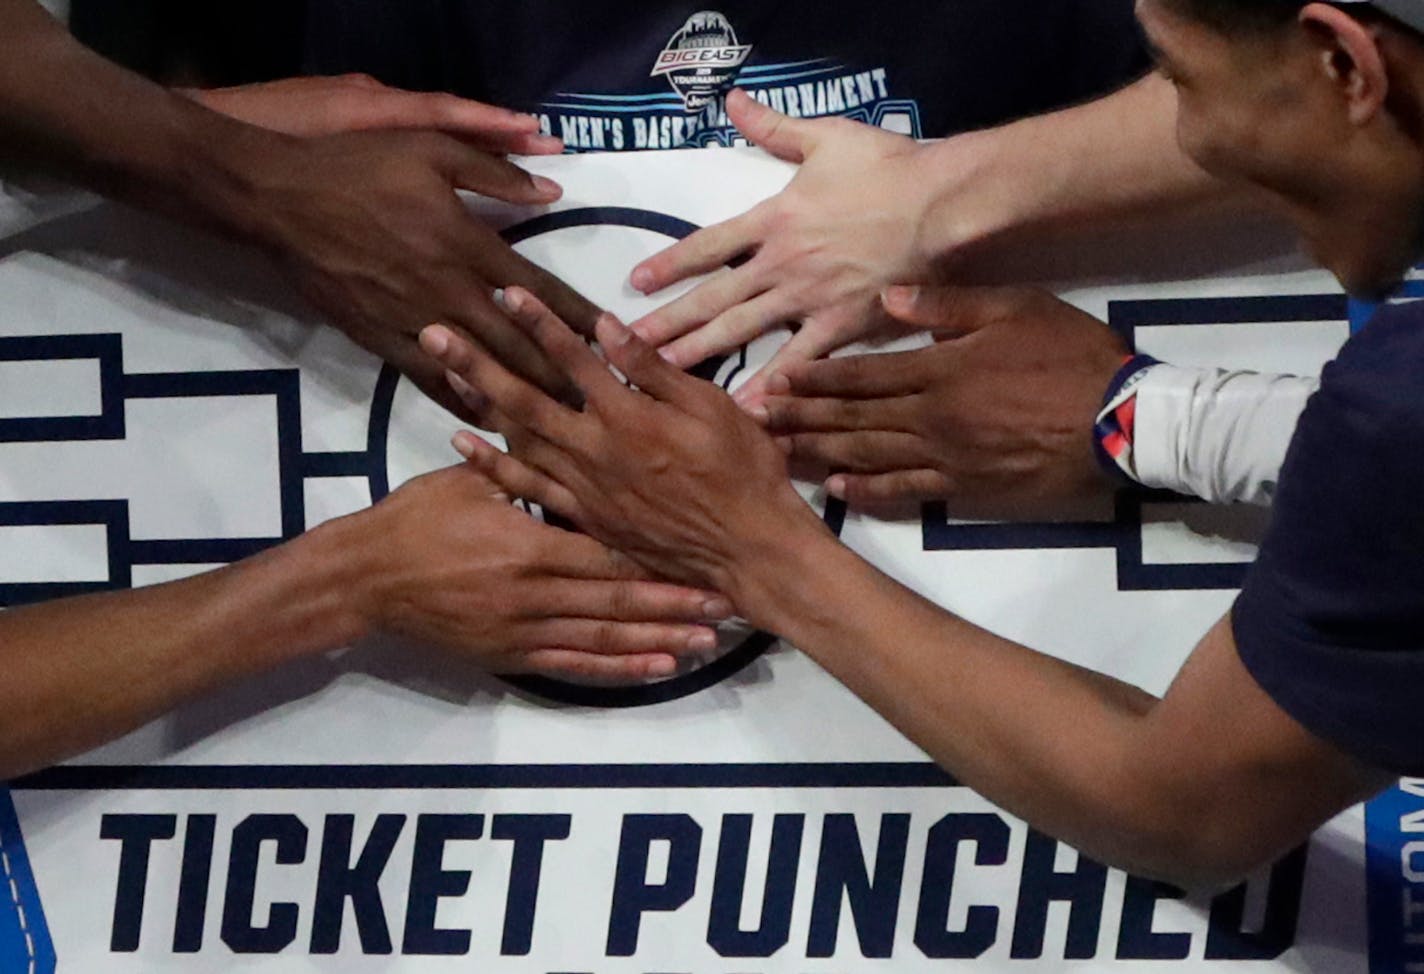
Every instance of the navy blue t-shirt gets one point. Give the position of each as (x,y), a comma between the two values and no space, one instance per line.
(1331,620)
(635,74)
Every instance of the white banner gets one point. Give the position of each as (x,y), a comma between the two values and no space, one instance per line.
(165,406)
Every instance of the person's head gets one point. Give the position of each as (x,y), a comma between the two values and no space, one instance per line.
(1319,104)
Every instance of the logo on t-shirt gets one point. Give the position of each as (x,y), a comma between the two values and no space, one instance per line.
(702,60)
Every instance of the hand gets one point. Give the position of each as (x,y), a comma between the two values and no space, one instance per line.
(997,417)
(672,472)
(447,562)
(310,107)
(371,226)
(845,228)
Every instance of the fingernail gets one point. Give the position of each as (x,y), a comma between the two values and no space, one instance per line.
(499,301)
(662,668)
(462,445)
(513,301)
(548,187)
(900,296)
(669,356)
(435,340)
(836,487)
(702,642)
(760,413)
(785,445)
(718,610)
(642,280)
(778,385)
(458,384)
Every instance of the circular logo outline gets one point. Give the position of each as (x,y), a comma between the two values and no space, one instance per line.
(558,691)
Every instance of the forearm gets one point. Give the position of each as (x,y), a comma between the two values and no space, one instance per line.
(1055,744)
(1096,166)
(69,112)
(79,672)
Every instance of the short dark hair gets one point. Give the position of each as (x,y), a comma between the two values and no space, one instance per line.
(1232,16)
(1236,15)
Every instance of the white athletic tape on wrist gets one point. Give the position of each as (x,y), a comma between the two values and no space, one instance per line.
(1218,435)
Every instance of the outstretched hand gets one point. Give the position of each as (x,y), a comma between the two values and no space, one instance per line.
(669,472)
(996,417)
(363,210)
(448,562)
(316,106)
(821,250)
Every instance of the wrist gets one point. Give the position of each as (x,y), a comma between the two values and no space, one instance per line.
(764,579)
(227,174)
(967,204)
(330,570)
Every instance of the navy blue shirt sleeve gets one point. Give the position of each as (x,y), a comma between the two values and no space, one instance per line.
(1331,620)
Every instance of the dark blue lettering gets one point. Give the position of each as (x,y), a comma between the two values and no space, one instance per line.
(339,881)
(529,833)
(1040,884)
(1136,940)
(842,875)
(430,883)
(633,895)
(137,833)
(990,835)
(1226,940)
(238,930)
(192,919)
(724,932)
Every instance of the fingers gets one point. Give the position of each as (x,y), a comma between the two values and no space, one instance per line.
(701,253)
(565,349)
(881,490)
(489,327)
(590,668)
(642,365)
(875,376)
(635,601)
(608,638)
(699,306)
(786,138)
(729,330)
(810,343)
(877,452)
(575,310)
(486,126)
(788,414)
(956,309)
(496,177)
(516,478)
(524,405)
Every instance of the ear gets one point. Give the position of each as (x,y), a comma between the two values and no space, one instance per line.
(1348,55)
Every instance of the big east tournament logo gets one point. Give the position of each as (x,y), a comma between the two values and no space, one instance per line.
(702,60)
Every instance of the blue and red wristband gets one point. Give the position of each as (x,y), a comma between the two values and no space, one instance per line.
(1117,421)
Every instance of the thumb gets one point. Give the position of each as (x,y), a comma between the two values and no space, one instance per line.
(639,362)
(789,139)
(956,310)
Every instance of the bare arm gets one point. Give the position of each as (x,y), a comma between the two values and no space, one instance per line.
(1082,169)
(1198,788)
(869,209)
(364,214)
(444,563)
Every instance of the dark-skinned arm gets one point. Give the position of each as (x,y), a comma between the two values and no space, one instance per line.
(445,564)
(1198,788)
(366,218)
